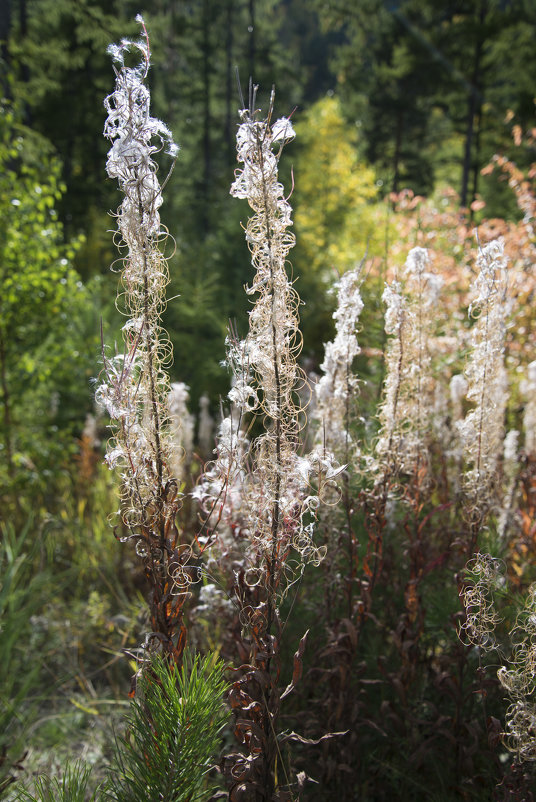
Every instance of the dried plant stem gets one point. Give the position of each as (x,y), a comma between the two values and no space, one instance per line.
(277,495)
(481,432)
(279,412)
(136,387)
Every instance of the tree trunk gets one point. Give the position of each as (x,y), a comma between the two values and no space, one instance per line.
(23,22)
(252,43)
(5,30)
(207,117)
(228,132)
(476,159)
(398,149)
(474,105)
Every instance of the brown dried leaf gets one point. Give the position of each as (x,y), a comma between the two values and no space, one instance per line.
(293,736)
(298,667)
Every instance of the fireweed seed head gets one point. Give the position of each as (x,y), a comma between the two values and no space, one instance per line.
(394,307)
(134,388)
(422,282)
(206,425)
(511,449)
(280,496)
(458,389)
(182,426)
(481,431)
(490,283)
(407,410)
(222,488)
(520,727)
(518,679)
(485,575)
(528,389)
(336,389)
(135,138)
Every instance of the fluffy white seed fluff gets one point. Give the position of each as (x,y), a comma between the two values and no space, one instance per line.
(407,410)
(281,501)
(182,425)
(135,386)
(528,388)
(481,432)
(336,389)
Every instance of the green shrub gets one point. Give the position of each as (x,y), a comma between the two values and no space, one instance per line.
(21,595)
(73,787)
(173,732)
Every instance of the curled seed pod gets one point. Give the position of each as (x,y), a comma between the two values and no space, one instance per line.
(485,575)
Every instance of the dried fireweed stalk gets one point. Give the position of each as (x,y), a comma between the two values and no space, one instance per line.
(135,386)
(205,435)
(407,410)
(510,483)
(219,491)
(485,575)
(182,426)
(282,490)
(280,499)
(519,681)
(458,389)
(336,389)
(334,413)
(520,727)
(481,432)
(528,388)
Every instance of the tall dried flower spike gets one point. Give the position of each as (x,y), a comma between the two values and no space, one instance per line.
(481,432)
(458,389)
(135,387)
(519,681)
(510,483)
(485,576)
(182,428)
(282,490)
(205,434)
(407,410)
(528,388)
(336,389)
(269,379)
(220,488)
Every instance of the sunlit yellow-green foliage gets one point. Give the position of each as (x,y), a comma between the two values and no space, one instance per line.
(47,324)
(337,217)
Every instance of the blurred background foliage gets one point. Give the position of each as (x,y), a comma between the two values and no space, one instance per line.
(385,96)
